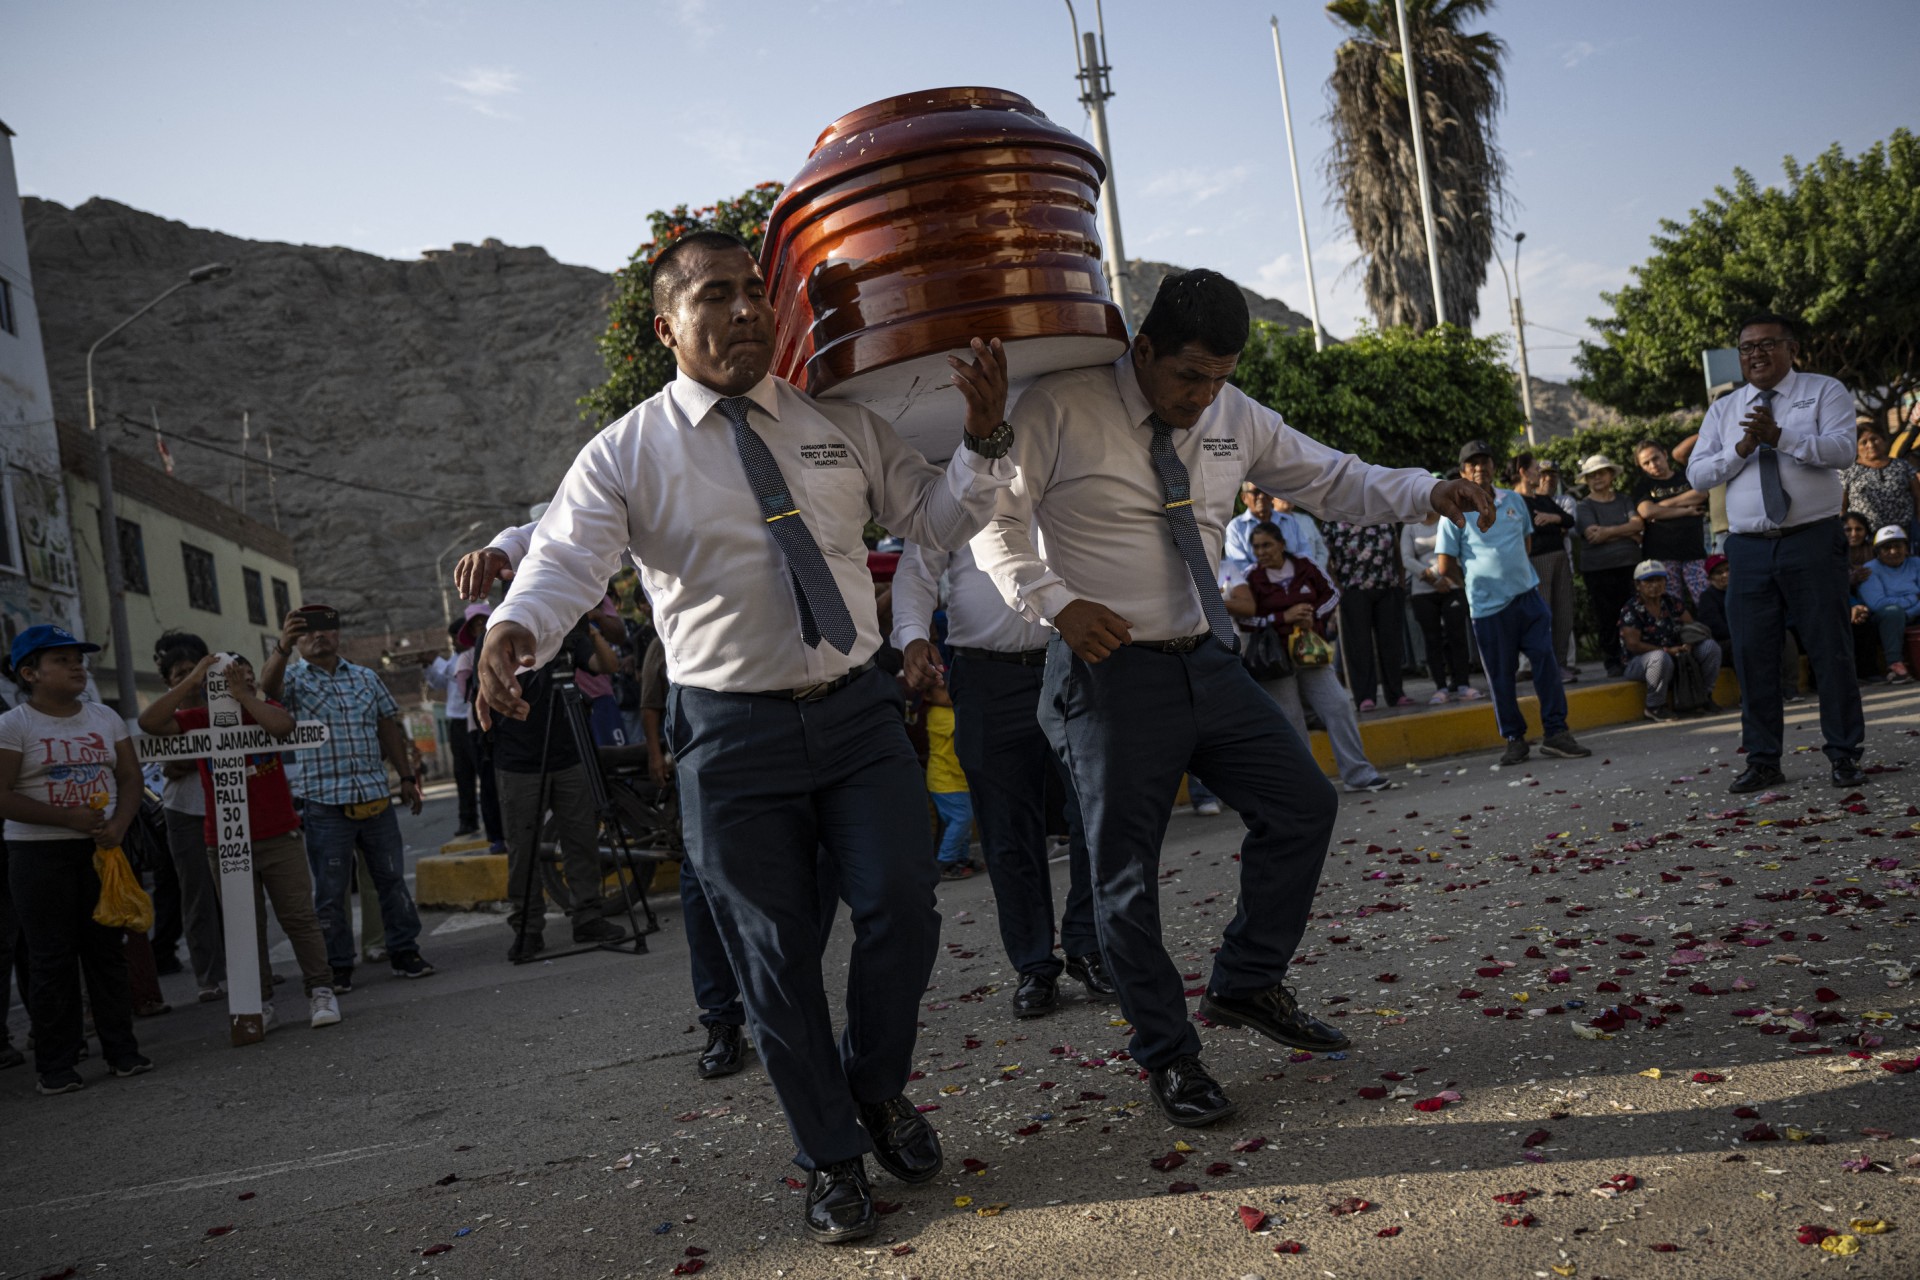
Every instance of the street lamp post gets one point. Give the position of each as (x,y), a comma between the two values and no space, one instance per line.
(1519,327)
(109,521)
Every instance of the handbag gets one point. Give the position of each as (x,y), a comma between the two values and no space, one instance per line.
(1266,656)
(1689,690)
(1310,649)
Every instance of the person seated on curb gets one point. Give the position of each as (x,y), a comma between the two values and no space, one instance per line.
(1891,594)
(280,869)
(1287,592)
(1509,616)
(1651,634)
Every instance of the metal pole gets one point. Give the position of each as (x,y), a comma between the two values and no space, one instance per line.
(1299,202)
(1097,86)
(1520,332)
(1420,165)
(109,523)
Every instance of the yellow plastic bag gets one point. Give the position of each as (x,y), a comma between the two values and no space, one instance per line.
(123,903)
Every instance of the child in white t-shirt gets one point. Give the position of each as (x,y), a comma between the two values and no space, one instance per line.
(58,753)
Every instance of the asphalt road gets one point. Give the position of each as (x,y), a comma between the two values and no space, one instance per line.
(545,1120)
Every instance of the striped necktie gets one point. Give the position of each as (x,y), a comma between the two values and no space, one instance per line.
(1773,495)
(823,611)
(1176,491)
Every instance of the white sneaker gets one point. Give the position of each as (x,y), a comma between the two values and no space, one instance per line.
(1208,808)
(324,1006)
(1439,699)
(1468,694)
(266,1016)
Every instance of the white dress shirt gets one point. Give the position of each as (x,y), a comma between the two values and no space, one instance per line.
(1817,442)
(513,541)
(666,482)
(1085,516)
(1297,527)
(977,618)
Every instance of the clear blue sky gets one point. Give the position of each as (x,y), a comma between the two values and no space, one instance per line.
(393,127)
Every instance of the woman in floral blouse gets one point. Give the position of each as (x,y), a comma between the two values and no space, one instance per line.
(1365,562)
(1880,486)
(1650,634)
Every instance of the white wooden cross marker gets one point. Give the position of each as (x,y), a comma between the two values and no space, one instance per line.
(224,745)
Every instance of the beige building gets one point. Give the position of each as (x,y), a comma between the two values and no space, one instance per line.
(191,563)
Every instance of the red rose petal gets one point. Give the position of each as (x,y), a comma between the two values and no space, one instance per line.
(1387,1233)
(1372,1091)
(1168,1162)
(1250,1144)
(1351,1205)
(901,1250)
(1535,1138)
(1253,1219)
(1826,995)
(435,1250)
(692,1266)
(1707,1077)
(219,1231)
(1181,1188)
(1285,1246)
(1430,1104)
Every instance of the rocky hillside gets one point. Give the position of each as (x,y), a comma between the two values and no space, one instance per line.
(420,397)
(441,391)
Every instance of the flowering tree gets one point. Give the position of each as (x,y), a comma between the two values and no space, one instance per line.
(637,365)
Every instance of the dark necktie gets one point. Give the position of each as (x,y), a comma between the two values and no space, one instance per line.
(1176,488)
(823,612)
(1773,494)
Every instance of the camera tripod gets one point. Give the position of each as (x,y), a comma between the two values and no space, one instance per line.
(564,702)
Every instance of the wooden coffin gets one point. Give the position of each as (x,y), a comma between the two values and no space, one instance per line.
(920,222)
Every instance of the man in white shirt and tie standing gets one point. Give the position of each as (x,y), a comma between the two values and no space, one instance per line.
(999,658)
(742,501)
(1779,444)
(1111,533)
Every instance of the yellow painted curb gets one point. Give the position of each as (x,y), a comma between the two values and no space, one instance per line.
(472,844)
(460,881)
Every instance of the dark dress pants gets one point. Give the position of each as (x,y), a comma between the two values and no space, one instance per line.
(1443,624)
(715,989)
(765,783)
(1370,624)
(473,781)
(997,737)
(1807,567)
(1127,728)
(54,894)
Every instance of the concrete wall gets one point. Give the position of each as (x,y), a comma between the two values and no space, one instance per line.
(37,582)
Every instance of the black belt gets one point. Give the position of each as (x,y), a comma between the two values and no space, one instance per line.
(815,692)
(1179,644)
(1773,535)
(1018,657)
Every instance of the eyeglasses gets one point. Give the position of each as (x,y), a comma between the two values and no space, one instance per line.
(1761,344)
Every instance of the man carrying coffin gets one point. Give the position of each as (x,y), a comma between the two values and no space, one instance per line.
(743,501)
(1111,534)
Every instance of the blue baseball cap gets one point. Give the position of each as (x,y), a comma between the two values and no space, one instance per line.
(45,635)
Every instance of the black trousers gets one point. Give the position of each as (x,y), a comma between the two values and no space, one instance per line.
(1803,574)
(766,783)
(1608,591)
(998,739)
(1444,624)
(1372,622)
(473,782)
(54,894)
(1127,728)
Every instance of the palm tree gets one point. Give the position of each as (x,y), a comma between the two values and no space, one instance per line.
(1460,84)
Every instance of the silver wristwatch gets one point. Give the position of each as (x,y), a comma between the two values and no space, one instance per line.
(994,445)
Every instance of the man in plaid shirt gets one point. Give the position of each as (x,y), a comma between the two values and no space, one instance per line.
(345,789)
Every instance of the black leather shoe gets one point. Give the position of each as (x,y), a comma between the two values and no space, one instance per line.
(1038,995)
(1276,1014)
(1849,774)
(1090,971)
(723,1055)
(1757,777)
(1188,1095)
(904,1144)
(840,1203)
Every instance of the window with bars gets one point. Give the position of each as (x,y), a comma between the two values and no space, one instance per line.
(256,596)
(203,583)
(133,557)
